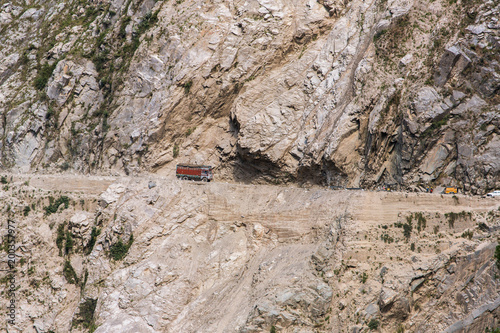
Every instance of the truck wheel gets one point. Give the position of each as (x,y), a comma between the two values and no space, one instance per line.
(204,180)
(185,178)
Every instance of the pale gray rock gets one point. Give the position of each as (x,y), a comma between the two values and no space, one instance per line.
(126,324)
(79,224)
(5,18)
(372,310)
(416,283)
(446,64)
(112,194)
(406,60)
(428,104)
(476,29)
(457,96)
(25,150)
(435,159)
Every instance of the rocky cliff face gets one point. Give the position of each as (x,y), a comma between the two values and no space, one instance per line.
(334,92)
(346,93)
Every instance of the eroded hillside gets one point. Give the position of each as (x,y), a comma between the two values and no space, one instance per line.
(352,92)
(154,254)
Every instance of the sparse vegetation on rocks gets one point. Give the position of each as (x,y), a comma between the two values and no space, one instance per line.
(119,250)
(54,205)
(69,273)
(85,316)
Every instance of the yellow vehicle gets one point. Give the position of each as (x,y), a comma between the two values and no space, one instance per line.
(448,190)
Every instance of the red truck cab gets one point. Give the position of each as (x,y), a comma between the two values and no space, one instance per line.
(194,172)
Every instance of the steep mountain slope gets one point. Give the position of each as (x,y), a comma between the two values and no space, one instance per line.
(335,92)
(152,254)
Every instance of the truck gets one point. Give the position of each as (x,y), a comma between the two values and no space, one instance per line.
(194,172)
(493,194)
(448,190)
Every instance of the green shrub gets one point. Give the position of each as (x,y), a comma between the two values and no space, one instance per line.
(69,273)
(407,229)
(436,125)
(187,86)
(85,315)
(468,234)
(452,217)
(122,33)
(364,277)
(379,34)
(421,221)
(43,75)
(26,210)
(60,238)
(176,150)
(386,238)
(190,131)
(119,250)
(69,243)
(65,166)
(483,226)
(50,113)
(85,279)
(273,329)
(3,180)
(373,324)
(147,21)
(54,205)
(93,238)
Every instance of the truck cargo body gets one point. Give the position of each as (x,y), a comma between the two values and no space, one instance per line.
(194,172)
(449,190)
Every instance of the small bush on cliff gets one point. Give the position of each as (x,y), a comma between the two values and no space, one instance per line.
(421,221)
(60,238)
(492,330)
(93,237)
(69,273)
(85,315)
(175,152)
(468,234)
(187,86)
(119,250)
(407,229)
(373,324)
(54,205)
(451,219)
(69,243)
(43,76)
